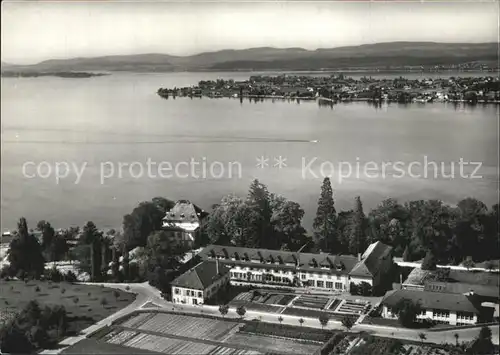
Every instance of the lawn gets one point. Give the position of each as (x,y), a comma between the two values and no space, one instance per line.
(82,302)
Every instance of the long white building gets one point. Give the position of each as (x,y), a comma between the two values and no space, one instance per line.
(291,269)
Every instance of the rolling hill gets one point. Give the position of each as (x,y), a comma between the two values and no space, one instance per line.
(379,55)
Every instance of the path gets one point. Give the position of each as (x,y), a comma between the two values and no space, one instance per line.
(146,293)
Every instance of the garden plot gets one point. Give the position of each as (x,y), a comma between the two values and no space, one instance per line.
(254,306)
(353,307)
(271,344)
(180,347)
(336,302)
(409,349)
(310,301)
(186,326)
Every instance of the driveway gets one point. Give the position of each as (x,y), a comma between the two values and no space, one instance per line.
(148,294)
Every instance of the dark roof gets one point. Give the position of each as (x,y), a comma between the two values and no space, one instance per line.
(371,260)
(201,276)
(183,211)
(280,258)
(417,277)
(462,288)
(434,300)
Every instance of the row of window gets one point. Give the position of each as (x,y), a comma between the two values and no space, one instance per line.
(189,293)
(328,284)
(440,313)
(305,275)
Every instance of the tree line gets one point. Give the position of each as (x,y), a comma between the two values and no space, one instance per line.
(429,229)
(415,229)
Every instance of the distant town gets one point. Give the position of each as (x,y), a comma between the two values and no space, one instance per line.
(340,88)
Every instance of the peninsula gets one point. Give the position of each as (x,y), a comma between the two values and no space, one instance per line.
(31,74)
(335,88)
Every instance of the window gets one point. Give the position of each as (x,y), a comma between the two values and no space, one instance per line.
(320,275)
(200,294)
(423,312)
(338,285)
(329,284)
(177,291)
(440,313)
(320,284)
(465,316)
(338,277)
(329,276)
(303,276)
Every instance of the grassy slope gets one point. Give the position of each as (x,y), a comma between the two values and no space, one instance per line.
(14,295)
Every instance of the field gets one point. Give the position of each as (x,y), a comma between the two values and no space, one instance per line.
(82,302)
(178,334)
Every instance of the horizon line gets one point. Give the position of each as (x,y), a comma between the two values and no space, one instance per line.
(242,49)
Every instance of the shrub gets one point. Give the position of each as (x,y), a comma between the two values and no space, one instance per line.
(70,276)
(63,290)
(127,288)
(37,289)
(104,301)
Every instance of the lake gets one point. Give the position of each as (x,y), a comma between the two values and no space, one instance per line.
(209,148)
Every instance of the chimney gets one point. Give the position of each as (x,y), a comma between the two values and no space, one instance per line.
(359,256)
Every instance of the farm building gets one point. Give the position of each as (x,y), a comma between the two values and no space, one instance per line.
(200,283)
(446,308)
(319,270)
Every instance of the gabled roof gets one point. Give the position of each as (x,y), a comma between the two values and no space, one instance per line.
(183,211)
(434,300)
(305,260)
(462,288)
(201,276)
(371,260)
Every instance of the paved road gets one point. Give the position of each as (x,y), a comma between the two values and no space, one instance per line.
(147,294)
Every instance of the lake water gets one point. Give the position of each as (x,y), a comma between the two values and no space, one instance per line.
(105,121)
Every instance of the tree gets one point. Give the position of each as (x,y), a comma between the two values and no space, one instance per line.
(347,322)
(146,218)
(422,337)
(456,338)
(468,263)
(286,222)
(48,235)
(14,341)
(406,254)
(259,204)
(324,222)
(25,253)
(483,343)
(301,321)
(323,320)
(280,319)
(407,312)
(116,293)
(429,262)
(241,310)
(223,309)
(357,237)
(104,301)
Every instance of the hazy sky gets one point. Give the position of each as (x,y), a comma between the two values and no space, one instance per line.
(35,31)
